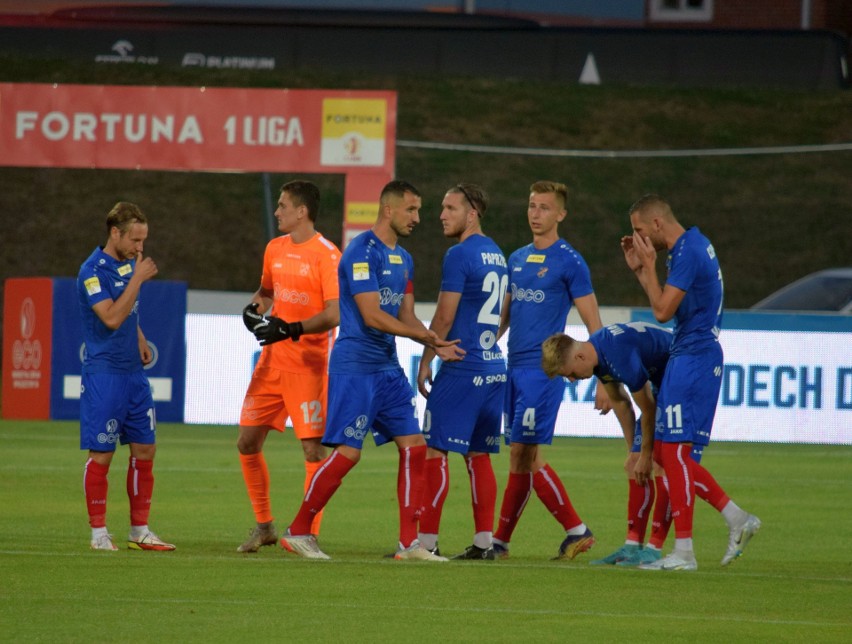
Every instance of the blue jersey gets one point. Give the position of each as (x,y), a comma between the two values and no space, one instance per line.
(368,265)
(102,277)
(544,283)
(476,268)
(632,353)
(694,268)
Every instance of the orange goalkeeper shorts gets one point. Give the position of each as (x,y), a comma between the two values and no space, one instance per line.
(273,396)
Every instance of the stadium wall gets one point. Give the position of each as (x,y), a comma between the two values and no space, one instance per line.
(688,57)
(787,378)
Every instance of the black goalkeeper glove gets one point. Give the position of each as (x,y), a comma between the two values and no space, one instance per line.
(251,318)
(276,330)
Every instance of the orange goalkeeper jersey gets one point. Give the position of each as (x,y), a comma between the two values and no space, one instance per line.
(302,277)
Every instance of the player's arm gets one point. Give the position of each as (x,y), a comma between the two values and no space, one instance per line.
(263,297)
(664,300)
(587,307)
(647,404)
(505,315)
(144,349)
(325,320)
(113,313)
(442,322)
(623,409)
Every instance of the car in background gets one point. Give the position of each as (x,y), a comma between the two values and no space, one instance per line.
(828,290)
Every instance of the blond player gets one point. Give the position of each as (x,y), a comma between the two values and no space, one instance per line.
(299,288)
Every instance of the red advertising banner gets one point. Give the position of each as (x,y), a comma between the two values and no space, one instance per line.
(27,342)
(197,128)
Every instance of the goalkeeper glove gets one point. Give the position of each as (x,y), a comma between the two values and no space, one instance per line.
(276,330)
(251,318)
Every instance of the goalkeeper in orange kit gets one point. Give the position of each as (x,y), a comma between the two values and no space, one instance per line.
(298,288)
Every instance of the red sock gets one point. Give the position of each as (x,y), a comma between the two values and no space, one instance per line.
(483,491)
(662,515)
(95,486)
(409,491)
(708,489)
(678,465)
(328,478)
(436,484)
(518,490)
(256,476)
(140,488)
(552,493)
(311,468)
(640,500)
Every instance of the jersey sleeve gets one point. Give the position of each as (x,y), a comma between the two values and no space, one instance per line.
(637,373)
(454,271)
(360,270)
(94,287)
(578,278)
(328,274)
(266,274)
(685,262)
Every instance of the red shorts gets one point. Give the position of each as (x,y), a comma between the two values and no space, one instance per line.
(275,395)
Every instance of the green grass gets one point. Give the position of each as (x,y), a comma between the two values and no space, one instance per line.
(793,584)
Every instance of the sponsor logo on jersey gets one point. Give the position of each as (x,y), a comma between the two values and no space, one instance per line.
(125,269)
(527,295)
(360,271)
(395,259)
(119,283)
(93,286)
(542,272)
(389,297)
(535,259)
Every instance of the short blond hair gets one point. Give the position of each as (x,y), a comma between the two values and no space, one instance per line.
(546,187)
(554,351)
(123,215)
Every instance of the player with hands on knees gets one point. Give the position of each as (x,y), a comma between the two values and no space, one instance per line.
(692,296)
(298,282)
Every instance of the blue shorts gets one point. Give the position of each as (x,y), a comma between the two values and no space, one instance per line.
(686,403)
(532,404)
(382,403)
(116,407)
(464,412)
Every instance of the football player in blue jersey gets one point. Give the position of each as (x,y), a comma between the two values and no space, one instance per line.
(116,404)
(464,406)
(546,278)
(693,296)
(635,354)
(368,390)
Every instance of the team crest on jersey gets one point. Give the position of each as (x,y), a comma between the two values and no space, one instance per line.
(535,259)
(360,271)
(542,271)
(395,259)
(124,270)
(93,286)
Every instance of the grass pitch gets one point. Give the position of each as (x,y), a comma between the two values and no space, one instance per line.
(794,582)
